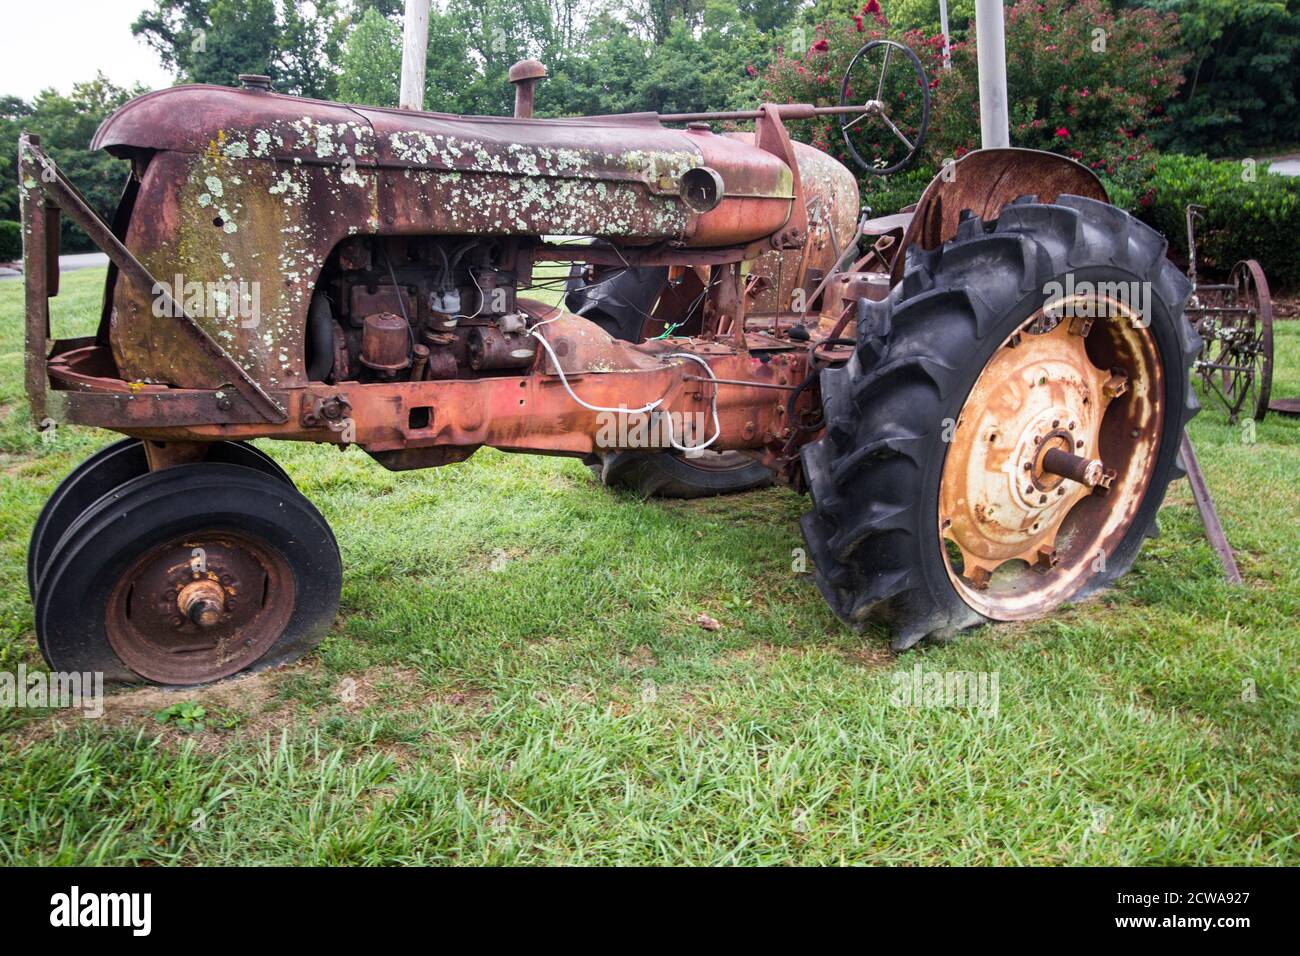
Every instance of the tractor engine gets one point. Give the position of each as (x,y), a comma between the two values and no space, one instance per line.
(416,309)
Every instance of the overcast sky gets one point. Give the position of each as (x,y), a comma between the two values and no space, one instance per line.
(61,42)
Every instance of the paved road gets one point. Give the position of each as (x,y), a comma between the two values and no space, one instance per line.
(1286,167)
(82,260)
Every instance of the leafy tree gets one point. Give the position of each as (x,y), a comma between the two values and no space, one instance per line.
(1243,78)
(655,19)
(705,68)
(768,16)
(66,125)
(608,78)
(372,62)
(213,41)
(308,47)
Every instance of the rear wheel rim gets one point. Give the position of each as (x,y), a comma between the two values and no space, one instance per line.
(200,607)
(1018,536)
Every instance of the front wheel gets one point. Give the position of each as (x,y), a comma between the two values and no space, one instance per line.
(110,467)
(1005,432)
(188,575)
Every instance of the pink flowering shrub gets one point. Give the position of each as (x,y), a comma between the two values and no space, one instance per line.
(815,76)
(1082,81)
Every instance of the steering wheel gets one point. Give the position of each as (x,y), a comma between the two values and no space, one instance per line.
(890,127)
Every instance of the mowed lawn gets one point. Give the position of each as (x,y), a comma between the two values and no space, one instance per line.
(517,676)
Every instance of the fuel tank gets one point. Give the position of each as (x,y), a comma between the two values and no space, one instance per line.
(624,177)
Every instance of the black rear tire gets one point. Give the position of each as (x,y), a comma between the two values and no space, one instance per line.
(670,474)
(108,599)
(874,530)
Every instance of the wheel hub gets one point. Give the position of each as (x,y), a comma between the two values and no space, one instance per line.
(1039,394)
(199,608)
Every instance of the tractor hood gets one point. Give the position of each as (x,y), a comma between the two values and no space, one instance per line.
(226,123)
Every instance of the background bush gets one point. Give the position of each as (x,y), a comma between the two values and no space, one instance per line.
(1242,77)
(1243,219)
(11,241)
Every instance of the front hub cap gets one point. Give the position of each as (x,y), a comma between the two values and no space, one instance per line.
(200,608)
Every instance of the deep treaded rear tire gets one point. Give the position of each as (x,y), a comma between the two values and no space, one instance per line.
(874,476)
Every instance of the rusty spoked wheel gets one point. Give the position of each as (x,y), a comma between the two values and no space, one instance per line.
(1237,325)
(1004,437)
(188,575)
(1050,456)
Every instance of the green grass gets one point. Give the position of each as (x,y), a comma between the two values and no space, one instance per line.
(517,677)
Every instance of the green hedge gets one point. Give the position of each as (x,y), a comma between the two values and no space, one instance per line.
(1243,219)
(886,195)
(11,241)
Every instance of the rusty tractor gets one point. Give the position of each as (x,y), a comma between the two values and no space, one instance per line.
(985,421)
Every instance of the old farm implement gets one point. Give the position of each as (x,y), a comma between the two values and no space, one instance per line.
(1235,322)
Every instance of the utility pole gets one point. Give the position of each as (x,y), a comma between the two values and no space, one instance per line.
(415,51)
(991,47)
(943,25)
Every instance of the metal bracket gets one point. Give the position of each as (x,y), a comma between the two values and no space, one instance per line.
(1209,516)
(36,166)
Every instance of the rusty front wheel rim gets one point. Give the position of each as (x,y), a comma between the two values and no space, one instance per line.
(1018,536)
(200,607)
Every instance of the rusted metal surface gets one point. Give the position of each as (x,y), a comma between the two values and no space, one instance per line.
(1209,515)
(239,179)
(219,364)
(384,342)
(1235,323)
(36,275)
(985,180)
(1050,457)
(200,607)
(831,198)
(525,75)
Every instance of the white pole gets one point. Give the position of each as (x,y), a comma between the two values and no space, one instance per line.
(943,26)
(991,47)
(415,49)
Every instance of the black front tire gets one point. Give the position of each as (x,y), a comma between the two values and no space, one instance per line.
(172,512)
(110,467)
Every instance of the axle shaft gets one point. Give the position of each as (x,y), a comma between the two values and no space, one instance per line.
(1086,471)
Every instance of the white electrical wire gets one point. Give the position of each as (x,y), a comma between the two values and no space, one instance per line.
(717,426)
(672,439)
(572,394)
